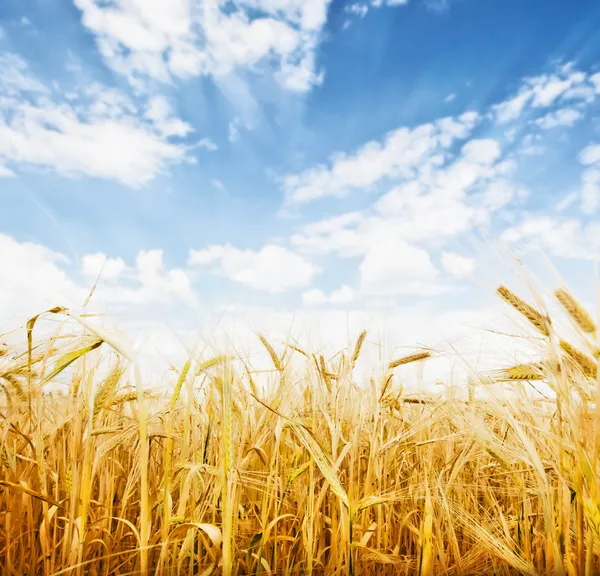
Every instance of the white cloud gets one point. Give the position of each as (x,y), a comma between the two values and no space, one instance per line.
(496,195)
(358,9)
(565,202)
(561,117)
(100,134)
(450,98)
(36,282)
(342,295)
(6,172)
(206,144)
(379,3)
(179,38)
(590,178)
(53,136)
(511,109)
(544,91)
(401,154)
(566,238)
(158,283)
(394,237)
(396,267)
(438,5)
(432,206)
(530,145)
(94,264)
(590,190)
(234,130)
(16,77)
(159,112)
(272,268)
(218,185)
(590,155)
(457,265)
(41,278)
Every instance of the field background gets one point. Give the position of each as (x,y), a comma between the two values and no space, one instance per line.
(305,469)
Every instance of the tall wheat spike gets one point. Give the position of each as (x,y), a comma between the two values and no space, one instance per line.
(274,358)
(416,357)
(522,372)
(541,322)
(227,479)
(106,392)
(588,365)
(358,347)
(577,312)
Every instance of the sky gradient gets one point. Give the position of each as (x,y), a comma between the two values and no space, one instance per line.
(294,160)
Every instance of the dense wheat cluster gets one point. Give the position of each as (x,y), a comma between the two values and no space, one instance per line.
(316,474)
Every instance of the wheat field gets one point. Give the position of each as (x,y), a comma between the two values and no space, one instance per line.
(317,473)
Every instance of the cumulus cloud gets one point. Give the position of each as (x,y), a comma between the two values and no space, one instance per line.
(396,267)
(99,134)
(395,236)
(400,154)
(34,280)
(180,38)
(433,205)
(272,268)
(41,278)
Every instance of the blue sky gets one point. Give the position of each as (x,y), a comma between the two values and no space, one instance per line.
(292,156)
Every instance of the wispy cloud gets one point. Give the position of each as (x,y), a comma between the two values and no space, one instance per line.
(538,92)
(563,238)
(563,117)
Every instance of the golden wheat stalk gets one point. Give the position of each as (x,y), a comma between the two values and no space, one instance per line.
(541,322)
(416,357)
(577,312)
(522,372)
(4,459)
(587,364)
(180,380)
(127,397)
(358,347)
(13,380)
(274,358)
(227,479)
(386,384)
(106,391)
